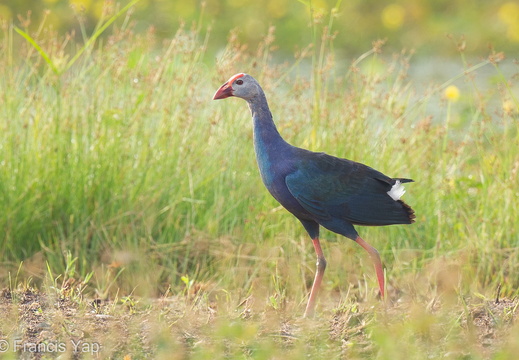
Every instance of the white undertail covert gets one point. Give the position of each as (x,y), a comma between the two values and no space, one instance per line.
(396,191)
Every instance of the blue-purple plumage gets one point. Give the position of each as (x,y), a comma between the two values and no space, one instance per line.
(320,189)
(316,187)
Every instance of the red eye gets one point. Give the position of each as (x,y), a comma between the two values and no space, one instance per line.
(239,82)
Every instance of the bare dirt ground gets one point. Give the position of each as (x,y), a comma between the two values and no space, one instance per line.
(35,325)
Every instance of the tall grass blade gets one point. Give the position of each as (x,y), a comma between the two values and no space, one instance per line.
(42,52)
(98,33)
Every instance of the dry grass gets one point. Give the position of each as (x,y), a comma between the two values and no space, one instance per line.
(204,326)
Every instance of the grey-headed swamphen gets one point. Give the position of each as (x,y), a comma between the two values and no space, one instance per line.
(317,188)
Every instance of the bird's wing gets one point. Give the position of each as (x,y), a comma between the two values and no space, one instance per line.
(329,187)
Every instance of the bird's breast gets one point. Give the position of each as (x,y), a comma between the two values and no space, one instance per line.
(273,173)
(276,160)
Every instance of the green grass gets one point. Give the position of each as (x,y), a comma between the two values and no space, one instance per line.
(122,174)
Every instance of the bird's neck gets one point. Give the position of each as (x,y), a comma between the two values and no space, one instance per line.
(266,135)
(272,152)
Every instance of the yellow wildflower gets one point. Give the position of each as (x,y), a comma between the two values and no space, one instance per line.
(452,93)
(509,107)
(393,16)
(509,12)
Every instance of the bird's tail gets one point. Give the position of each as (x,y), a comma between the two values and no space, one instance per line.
(409,211)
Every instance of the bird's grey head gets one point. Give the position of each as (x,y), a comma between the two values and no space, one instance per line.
(240,85)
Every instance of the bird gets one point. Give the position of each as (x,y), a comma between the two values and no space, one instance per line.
(320,190)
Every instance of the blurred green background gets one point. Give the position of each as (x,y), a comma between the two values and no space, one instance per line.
(422,25)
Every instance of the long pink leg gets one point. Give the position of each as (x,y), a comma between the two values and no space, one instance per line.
(375,257)
(321,266)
